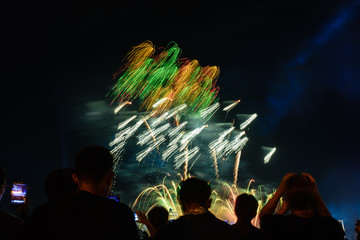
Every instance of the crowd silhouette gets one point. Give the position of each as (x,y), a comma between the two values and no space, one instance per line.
(77,207)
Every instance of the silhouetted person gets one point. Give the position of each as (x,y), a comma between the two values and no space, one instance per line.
(88,214)
(58,185)
(245,209)
(197,222)
(357,229)
(308,216)
(156,218)
(8,222)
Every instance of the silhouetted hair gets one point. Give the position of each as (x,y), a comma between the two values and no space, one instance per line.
(299,192)
(60,183)
(93,162)
(158,216)
(194,190)
(2,175)
(246,207)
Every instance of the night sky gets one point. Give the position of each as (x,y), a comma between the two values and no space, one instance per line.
(294,63)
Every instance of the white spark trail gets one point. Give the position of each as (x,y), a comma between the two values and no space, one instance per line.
(219,144)
(240,145)
(239,136)
(180,158)
(190,136)
(125,134)
(141,155)
(176,139)
(177,129)
(169,152)
(158,120)
(269,155)
(147,135)
(120,136)
(161,101)
(176,110)
(124,123)
(210,111)
(121,105)
(248,121)
(231,106)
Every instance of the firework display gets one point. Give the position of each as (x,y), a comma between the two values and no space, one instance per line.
(168,89)
(165,80)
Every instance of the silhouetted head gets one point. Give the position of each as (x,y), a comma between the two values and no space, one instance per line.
(195,191)
(246,207)
(60,183)
(158,216)
(299,192)
(93,170)
(92,163)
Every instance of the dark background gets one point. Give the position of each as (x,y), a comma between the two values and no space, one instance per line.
(295,63)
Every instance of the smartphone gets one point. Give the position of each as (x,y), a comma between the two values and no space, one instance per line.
(136,217)
(18,193)
(114,197)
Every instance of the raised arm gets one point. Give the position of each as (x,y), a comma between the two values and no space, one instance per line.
(143,219)
(270,206)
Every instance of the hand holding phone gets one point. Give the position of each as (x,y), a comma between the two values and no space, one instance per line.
(18,193)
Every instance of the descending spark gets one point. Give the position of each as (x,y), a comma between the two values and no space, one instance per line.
(141,155)
(147,135)
(159,130)
(169,151)
(120,136)
(248,121)
(137,125)
(194,162)
(120,140)
(236,167)
(123,124)
(231,106)
(118,108)
(176,139)
(117,148)
(125,134)
(181,157)
(220,144)
(239,136)
(209,111)
(116,152)
(161,101)
(236,145)
(176,110)
(158,120)
(226,132)
(240,145)
(177,129)
(269,155)
(190,136)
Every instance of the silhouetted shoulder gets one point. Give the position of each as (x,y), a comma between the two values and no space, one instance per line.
(319,227)
(105,217)
(8,224)
(196,227)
